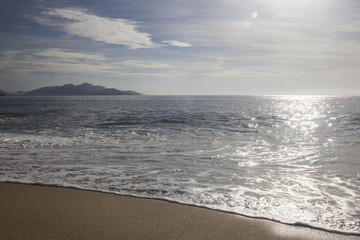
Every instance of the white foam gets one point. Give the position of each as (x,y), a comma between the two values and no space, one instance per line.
(14,141)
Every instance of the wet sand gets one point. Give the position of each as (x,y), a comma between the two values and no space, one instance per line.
(42,212)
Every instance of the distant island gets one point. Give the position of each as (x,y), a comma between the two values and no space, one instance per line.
(72,90)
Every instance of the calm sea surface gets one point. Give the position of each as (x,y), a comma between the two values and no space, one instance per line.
(288,158)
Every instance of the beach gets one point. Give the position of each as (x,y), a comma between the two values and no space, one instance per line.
(44,212)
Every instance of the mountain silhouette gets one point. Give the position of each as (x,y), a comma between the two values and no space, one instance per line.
(2,93)
(72,90)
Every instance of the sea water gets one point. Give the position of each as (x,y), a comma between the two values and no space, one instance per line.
(294,159)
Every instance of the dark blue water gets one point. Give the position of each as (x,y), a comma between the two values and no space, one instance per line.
(288,158)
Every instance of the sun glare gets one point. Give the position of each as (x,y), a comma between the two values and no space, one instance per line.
(254,14)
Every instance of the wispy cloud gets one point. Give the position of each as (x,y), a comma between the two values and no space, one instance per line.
(144,64)
(52,61)
(63,55)
(64,62)
(78,22)
(177,43)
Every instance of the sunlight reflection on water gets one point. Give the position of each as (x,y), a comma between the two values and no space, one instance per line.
(290,158)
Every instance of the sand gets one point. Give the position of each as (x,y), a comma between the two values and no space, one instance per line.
(42,212)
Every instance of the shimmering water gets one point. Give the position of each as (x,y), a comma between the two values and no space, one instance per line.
(288,158)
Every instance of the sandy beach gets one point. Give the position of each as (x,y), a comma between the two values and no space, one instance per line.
(42,212)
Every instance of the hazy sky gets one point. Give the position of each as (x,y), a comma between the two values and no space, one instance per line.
(183,46)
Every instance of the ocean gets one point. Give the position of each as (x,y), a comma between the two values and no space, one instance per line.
(293,159)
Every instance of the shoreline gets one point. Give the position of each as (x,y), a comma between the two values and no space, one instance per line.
(36,211)
(296,224)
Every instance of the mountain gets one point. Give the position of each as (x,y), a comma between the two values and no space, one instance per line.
(2,93)
(83,89)
(113,91)
(19,93)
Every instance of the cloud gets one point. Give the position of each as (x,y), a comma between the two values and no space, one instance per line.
(52,61)
(144,64)
(177,43)
(65,62)
(63,55)
(80,23)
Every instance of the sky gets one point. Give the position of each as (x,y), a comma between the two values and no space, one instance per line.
(184,47)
